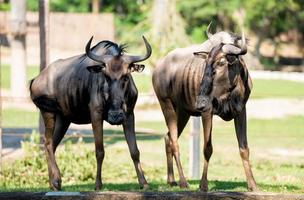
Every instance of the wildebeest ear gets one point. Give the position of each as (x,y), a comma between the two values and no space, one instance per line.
(95,68)
(201,54)
(137,67)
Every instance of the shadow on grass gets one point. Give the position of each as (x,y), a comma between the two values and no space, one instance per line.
(236,186)
(194,186)
(242,186)
(114,136)
(13,136)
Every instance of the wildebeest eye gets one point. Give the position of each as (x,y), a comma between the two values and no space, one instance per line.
(125,78)
(222,61)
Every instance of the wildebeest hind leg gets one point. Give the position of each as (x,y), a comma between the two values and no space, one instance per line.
(170,173)
(129,131)
(171,121)
(54,174)
(207,125)
(61,126)
(241,133)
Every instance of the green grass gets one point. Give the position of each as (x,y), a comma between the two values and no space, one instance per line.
(32,71)
(143,82)
(277,89)
(261,88)
(276,154)
(17,118)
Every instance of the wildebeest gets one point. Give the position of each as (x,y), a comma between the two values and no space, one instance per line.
(202,80)
(89,88)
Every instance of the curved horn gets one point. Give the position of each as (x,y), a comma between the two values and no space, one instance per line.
(134,59)
(208,32)
(236,50)
(243,44)
(90,54)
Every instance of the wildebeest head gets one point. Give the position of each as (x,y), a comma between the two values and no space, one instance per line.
(116,67)
(221,88)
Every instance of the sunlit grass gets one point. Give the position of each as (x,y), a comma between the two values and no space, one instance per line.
(31,72)
(277,89)
(17,118)
(276,155)
(143,82)
(261,88)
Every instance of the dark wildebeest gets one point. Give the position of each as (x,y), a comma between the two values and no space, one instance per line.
(217,84)
(89,88)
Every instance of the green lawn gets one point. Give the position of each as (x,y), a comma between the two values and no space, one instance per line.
(277,89)
(276,154)
(276,151)
(17,118)
(32,71)
(261,88)
(143,81)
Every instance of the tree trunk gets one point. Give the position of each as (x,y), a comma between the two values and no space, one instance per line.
(18,49)
(160,24)
(95,6)
(0,111)
(44,45)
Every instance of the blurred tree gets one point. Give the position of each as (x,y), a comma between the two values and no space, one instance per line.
(130,11)
(96,6)
(269,19)
(18,48)
(266,19)
(62,6)
(167,27)
(198,15)
(4,5)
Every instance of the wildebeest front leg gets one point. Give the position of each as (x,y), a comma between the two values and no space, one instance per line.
(241,133)
(129,131)
(54,173)
(97,125)
(207,125)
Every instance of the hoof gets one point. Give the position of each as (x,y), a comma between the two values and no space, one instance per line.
(144,187)
(204,188)
(98,186)
(56,185)
(253,189)
(172,184)
(183,185)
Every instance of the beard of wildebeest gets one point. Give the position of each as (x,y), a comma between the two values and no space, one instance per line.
(115,103)
(203,100)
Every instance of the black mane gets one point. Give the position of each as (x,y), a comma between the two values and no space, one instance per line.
(113,47)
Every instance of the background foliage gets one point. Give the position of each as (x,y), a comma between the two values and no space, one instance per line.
(269,18)
(264,19)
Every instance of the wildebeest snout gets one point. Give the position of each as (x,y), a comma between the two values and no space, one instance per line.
(202,103)
(116,117)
